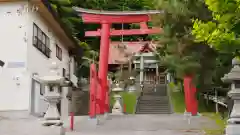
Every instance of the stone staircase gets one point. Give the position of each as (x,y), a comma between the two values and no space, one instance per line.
(154,101)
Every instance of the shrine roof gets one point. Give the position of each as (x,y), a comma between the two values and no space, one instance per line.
(118,56)
(120,13)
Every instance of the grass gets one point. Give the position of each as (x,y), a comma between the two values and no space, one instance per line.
(129,100)
(220,122)
(178,101)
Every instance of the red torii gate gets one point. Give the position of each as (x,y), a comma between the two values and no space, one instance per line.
(106,19)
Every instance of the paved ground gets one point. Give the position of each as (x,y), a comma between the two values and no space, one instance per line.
(174,124)
(20,123)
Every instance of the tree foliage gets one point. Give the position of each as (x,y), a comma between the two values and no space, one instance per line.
(222,31)
(180,53)
(74,22)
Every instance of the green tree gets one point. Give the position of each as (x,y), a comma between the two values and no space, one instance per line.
(180,53)
(222,31)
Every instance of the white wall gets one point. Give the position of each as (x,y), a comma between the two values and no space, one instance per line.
(16,46)
(38,62)
(13,48)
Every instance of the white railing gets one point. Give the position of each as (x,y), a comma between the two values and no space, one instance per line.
(217,99)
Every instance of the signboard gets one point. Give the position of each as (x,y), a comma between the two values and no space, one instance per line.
(15,64)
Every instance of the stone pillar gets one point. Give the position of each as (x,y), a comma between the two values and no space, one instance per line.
(141,68)
(233,78)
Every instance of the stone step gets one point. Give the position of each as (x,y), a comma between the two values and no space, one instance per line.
(153,101)
(156,111)
(153,97)
(153,109)
(154,94)
(154,105)
(162,112)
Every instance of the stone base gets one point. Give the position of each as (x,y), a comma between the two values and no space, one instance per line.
(52,130)
(94,121)
(117,112)
(52,122)
(233,129)
(106,116)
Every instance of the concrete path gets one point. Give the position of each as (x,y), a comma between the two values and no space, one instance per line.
(173,124)
(20,123)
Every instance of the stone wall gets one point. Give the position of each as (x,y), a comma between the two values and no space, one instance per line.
(79,103)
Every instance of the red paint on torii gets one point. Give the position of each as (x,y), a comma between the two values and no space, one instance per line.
(100,18)
(106,19)
(114,32)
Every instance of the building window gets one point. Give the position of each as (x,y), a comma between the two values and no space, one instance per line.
(41,41)
(58,52)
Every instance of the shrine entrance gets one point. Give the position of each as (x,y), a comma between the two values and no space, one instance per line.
(99,90)
(99,100)
(128,61)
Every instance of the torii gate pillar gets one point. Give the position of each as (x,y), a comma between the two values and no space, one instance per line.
(103,64)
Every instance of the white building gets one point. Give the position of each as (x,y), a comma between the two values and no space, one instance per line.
(31,38)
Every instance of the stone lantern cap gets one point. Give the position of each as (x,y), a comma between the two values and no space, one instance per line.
(234,74)
(57,80)
(117,88)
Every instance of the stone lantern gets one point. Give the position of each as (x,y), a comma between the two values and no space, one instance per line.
(117,107)
(233,78)
(132,87)
(52,95)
